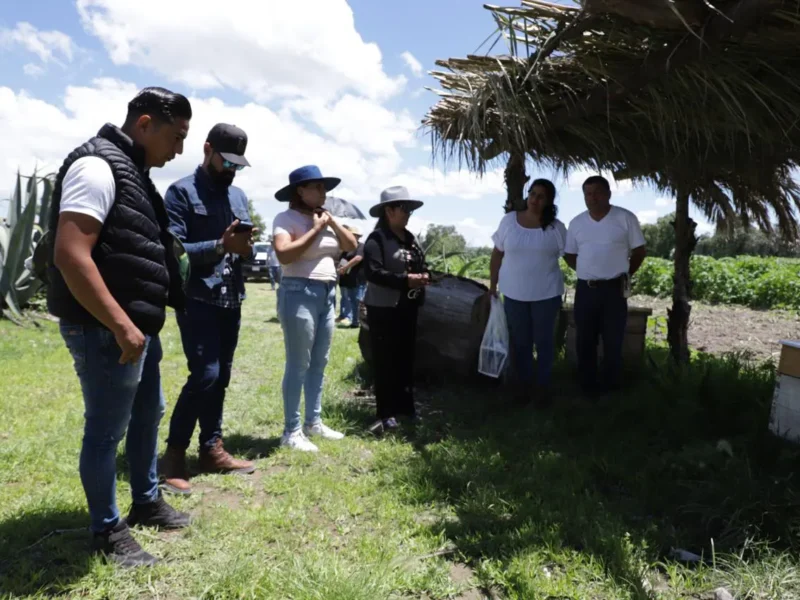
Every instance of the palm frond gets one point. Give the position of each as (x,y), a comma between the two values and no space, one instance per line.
(723,121)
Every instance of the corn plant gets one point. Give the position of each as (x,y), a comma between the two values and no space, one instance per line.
(20,231)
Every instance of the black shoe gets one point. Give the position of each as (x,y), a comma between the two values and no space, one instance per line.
(119,546)
(158,514)
(390,424)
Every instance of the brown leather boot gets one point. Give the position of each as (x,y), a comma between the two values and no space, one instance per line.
(217,460)
(175,471)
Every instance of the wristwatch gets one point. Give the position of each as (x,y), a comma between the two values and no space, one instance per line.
(219,247)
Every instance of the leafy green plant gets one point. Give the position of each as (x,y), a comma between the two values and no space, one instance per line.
(756,282)
(20,231)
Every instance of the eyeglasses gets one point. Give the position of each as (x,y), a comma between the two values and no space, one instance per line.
(406,207)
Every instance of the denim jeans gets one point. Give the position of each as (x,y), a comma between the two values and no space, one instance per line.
(351,301)
(210,335)
(601,311)
(533,324)
(274,276)
(116,397)
(307,316)
(344,308)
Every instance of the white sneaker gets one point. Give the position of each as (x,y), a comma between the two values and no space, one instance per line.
(322,431)
(297,440)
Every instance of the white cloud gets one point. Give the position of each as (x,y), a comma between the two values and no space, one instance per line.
(40,134)
(33,70)
(265,49)
(355,121)
(647,216)
(49,46)
(427,182)
(665,202)
(412,63)
(475,233)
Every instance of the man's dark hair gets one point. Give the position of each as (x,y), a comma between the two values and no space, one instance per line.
(160,104)
(550,211)
(598,180)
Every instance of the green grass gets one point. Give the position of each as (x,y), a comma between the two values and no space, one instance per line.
(584,501)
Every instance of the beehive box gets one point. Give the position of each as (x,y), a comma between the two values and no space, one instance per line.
(635,334)
(784,418)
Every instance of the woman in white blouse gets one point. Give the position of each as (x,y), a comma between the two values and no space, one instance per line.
(527,248)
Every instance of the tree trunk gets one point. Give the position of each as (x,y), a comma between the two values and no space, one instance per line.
(678,315)
(516,178)
(450,328)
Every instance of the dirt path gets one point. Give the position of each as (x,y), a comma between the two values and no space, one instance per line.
(728,328)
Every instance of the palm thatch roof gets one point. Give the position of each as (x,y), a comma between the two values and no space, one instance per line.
(701,96)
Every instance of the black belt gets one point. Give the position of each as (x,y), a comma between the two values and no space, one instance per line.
(593,283)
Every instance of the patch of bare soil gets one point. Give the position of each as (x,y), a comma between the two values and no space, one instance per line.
(718,329)
(212,496)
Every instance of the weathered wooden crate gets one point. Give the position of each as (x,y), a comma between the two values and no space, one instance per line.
(635,334)
(784,418)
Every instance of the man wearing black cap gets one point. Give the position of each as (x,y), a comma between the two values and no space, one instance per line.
(210,217)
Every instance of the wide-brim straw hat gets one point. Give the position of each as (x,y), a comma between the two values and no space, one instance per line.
(354,229)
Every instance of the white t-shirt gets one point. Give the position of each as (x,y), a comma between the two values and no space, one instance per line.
(318,261)
(603,247)
(88,188)
(530,269)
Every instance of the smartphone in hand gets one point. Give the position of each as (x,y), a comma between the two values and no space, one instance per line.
(243,227)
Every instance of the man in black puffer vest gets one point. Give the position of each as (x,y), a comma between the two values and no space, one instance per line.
(112,274)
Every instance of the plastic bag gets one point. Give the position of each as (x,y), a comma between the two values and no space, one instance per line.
(494,347)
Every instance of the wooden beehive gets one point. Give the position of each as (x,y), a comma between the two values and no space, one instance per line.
(635,334)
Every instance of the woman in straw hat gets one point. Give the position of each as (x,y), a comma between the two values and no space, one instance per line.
(308,241)
(396,273)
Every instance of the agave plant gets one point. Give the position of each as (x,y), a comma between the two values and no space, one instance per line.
(20,231)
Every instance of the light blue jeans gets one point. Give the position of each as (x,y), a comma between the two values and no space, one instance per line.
(116,397)
(307,314)
(351,301)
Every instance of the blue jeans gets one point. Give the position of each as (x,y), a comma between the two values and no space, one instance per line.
(274,276)
(344,308)
(210,335)
(351,300)
(116,397)
(533,324)
(307,316)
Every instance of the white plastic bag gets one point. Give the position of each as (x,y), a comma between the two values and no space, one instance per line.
(494,347)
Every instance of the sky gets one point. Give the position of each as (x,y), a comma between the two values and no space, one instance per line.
(328,82)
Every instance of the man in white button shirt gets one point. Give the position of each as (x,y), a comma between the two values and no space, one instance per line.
(605,246)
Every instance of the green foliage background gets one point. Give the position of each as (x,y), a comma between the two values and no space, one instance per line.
(752,281)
